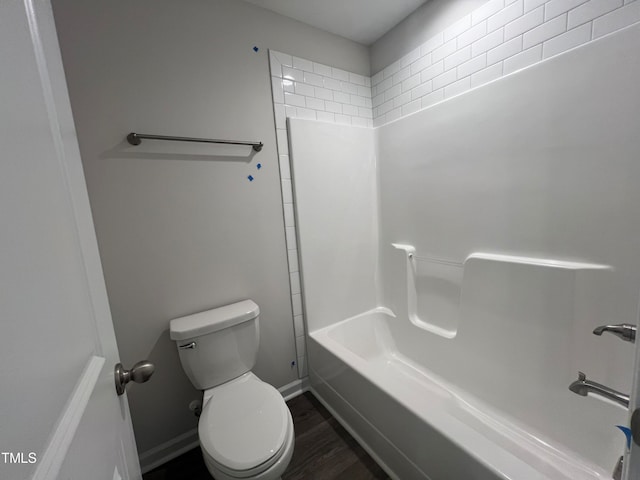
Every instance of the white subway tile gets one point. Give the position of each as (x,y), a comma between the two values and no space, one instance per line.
(422,63)
(367,82)
(343,119)
(473,34)
(304,89)
(332,84)
(472,66)
(385,107)
(401,75)
(411,107)
(285,169)
(457,28)
(617,19)
(378,121)
(458,87)
(393,92)
(298,320)
(300,345)
(292,255)
(411,82)
(313,79)
(290,238)
(279,58)
(410,57)
(332,107)
(314,103)
(431,44)
(445,79)
(323,93)
(431,72)
(296,303)
(486,75)
(433,97)
(402,99)
(377,78)
(293,74)
(545,31)
(289,111)
(282,141)
(359,101)
(523,59)
(506,15)
(378,100)
(486,10)
(321,69)
(457,58)
(287,192)
(443,51)
(349,87)
(350,110)
(531,4)
(305,113)
(363,91)
(293,99)
(393,114)
(357,79)
(288,85)
(365,112)
(421,90)
(302,64)
(384,85)
(303,369)
(567,40)
(525,23)
(326,116)
(390,70)
(339,74)
(341,97)
(289,218)
(279,114)
(590,10)
(554,8)
(506,50)
(274,65)
(278,91)
(488,42)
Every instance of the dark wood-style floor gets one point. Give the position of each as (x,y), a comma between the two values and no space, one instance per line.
(323,451)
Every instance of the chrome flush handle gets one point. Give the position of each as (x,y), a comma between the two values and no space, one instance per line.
(191,345)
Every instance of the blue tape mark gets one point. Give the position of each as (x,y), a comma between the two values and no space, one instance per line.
(629,435)
(293,364)
(255,49)
(259,166)
(250,177)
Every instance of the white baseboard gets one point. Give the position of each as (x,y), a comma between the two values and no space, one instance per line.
(168,450)
(295,388)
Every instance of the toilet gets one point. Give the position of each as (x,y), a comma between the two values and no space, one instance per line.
(245,429)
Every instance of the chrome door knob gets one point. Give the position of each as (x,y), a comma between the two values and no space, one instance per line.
(139,373)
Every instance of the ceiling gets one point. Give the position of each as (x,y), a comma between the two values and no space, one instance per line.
(363,21)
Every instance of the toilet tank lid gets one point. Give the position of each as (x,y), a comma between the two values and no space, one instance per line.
(198,324)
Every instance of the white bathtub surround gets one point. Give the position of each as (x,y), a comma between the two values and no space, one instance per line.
(530,193)
(305,89)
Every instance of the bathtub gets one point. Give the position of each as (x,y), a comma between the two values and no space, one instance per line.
(416,424)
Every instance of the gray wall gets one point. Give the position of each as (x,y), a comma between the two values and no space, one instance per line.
(178,232)
(431,18)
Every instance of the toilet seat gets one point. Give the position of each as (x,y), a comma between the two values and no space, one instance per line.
(244,426)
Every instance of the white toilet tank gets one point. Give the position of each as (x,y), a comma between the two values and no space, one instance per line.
(217,345)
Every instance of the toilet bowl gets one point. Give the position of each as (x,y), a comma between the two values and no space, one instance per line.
(245,428)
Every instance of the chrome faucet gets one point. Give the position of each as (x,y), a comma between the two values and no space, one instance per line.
(582,386)
(625,331)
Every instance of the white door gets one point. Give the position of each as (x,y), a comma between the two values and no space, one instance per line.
(60,416)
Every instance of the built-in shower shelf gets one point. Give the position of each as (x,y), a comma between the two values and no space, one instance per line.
(536,261)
